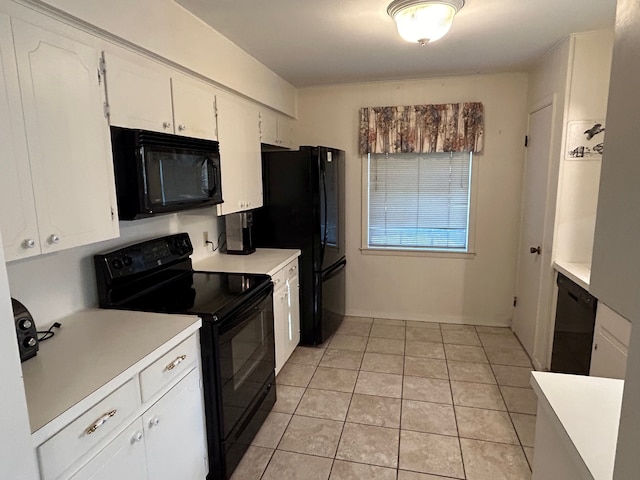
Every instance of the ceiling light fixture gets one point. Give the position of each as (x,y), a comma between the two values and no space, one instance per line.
(423,21)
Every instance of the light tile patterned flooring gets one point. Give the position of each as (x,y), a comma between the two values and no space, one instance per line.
(396,400)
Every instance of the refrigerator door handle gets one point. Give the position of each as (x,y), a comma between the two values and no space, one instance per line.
(333,270)
(326,214)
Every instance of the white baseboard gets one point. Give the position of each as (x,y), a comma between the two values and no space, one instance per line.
(452,319)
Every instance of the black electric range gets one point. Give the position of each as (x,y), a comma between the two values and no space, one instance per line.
(236,339)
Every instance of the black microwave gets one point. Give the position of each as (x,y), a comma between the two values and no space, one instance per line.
(161,173)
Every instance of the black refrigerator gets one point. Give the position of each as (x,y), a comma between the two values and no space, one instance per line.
(304,209)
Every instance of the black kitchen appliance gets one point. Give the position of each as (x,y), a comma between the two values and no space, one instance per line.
(304,209)
(574,327)
(160,173)
(25,331)
(236,339)
(238,228)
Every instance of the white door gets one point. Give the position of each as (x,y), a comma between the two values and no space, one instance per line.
(240,157)
(18,220)
(139,94)
(68,138)
(194,108)
(123,458)
(174,433)
(280,326)
(526,313)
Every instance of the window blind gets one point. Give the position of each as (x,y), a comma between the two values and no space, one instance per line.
(419,201)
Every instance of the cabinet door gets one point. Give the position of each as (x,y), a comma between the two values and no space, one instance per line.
(280,325)
(123,458)
(139,93)
(194,108)
(67,137)
(174,433)
(240,157)
(18,221)
(285,132)
(268,128)
(608,356)
(293,314)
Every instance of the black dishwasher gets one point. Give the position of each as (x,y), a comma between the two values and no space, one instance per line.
(573,332)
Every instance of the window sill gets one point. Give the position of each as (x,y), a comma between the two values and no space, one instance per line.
(416,253)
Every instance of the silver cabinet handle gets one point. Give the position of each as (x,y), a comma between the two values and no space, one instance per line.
(293,269)
(277,281)
(182,127)
(137,437)
(29,243)
(176,362)
(54,239)
(166,124)
(154,421)
(98,423)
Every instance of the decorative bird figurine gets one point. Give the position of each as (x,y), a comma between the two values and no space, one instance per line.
(593,131)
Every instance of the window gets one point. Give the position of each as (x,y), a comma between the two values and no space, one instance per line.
(419,201)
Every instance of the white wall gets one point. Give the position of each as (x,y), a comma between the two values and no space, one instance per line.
(479,289)
(166,29)
(17,457)
(54,285)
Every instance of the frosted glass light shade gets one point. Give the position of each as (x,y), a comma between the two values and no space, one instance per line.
(423,21)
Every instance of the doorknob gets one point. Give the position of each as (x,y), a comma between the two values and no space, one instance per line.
(536,250)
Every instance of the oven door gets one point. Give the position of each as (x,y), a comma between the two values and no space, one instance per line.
(247,358)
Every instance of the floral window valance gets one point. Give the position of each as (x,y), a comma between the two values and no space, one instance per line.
(448,127)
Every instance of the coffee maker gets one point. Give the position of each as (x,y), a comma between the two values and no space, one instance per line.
(239,240)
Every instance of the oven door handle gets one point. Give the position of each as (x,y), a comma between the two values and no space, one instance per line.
(239,317)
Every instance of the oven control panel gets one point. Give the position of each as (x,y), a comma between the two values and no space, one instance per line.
(143,257)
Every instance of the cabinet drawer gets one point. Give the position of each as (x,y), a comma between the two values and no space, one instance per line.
(291,270)
(169,367)
(278,279)
(69,444)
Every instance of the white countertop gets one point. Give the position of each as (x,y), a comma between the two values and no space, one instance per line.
(576,271)
(588,409)
(92,348)
(264,260)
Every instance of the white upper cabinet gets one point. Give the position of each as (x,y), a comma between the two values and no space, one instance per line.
(18,221)
(240,157)
(139,94)
(67,133)
(146,95)
(194,108)
(276,129)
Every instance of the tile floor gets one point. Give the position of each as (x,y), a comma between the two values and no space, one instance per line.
(396,400)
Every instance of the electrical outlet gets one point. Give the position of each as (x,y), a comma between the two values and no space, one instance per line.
(205,238)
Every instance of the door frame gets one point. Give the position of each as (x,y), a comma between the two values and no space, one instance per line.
(543,338)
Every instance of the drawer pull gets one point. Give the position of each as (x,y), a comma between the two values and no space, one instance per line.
(154,422)
(98,423)
(293,269)
(176,362)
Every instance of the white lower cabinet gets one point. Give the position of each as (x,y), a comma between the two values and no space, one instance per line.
(121,437)
(174,434)
(286,312)
(610,344)
(123,458)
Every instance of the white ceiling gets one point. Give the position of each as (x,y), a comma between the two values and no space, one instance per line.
(317,42)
